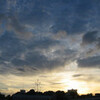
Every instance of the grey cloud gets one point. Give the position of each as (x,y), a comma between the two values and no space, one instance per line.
(2,20)
(42,62)
(3,86)
(98,43)
(34,60)
(53,16)
(2,17)
(19,28)
(18,62)
(89,62)
(10,46)
(90,37)
(13,24)
(55,83)
(77,75)
(42,43)
(74,19)
(46,18)
(3,6)
(6,69)
(88,77)
(37,15)
(62,56)
(91,41)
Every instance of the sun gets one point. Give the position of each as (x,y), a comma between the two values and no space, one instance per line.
(73,84)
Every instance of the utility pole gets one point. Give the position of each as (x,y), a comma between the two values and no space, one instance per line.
(37,83)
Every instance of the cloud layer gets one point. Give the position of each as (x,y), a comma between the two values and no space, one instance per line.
(46,35)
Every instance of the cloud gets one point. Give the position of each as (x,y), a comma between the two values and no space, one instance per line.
(10,21)
(98,43)
(60,35)
(20,57)
(55,83)
(3,86)
(74,18)
(2,19)
(89,62)
(10,46)
(51,16)
(77,75)
(90,43)
(37,33)
(2,16)
(41,62)
(2,6)
(18,28)
(42,43)
(89,37)
(87,75)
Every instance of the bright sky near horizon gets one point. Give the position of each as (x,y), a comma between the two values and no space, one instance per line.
(55,41)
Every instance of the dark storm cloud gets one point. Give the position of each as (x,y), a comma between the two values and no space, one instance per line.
(89,62)
(98,44)
(90,37)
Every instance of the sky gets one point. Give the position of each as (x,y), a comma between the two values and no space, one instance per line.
(54,41)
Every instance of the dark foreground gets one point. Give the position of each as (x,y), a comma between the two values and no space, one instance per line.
(49,95)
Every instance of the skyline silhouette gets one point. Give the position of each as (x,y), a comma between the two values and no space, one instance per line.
(50,95)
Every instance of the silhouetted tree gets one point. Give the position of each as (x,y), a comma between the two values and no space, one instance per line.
(38,93)
(8,97)
(2,96)
(50,93)
(31,92)
(72,94)
(60,95)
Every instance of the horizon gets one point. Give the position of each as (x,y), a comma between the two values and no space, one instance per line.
(56,42)
(26,91)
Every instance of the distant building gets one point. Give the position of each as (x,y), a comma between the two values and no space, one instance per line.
(97,94)
(23,96)
(71,94)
